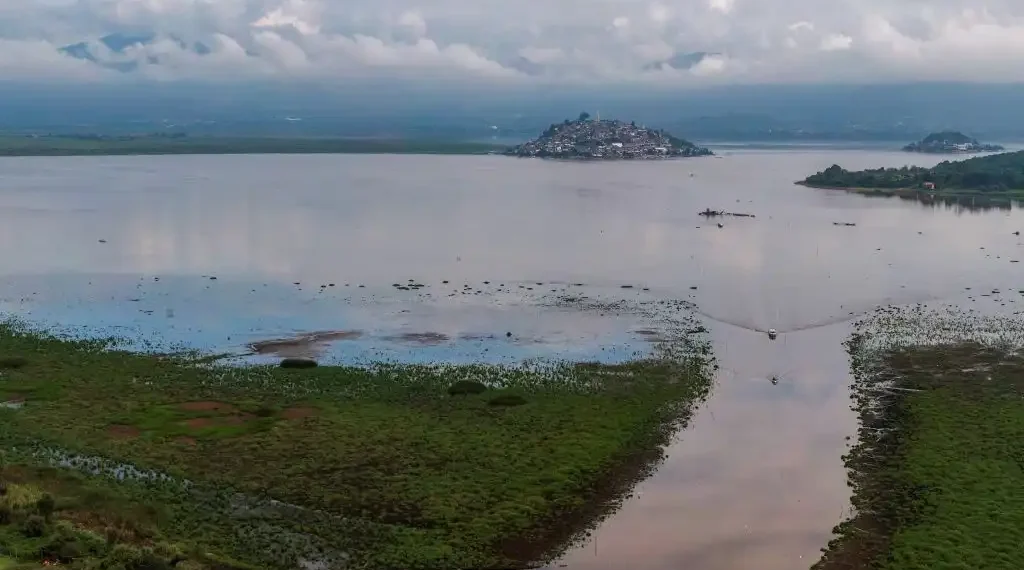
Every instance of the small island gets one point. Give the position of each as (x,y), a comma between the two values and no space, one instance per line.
(995,176)
(596,139)
(950,142)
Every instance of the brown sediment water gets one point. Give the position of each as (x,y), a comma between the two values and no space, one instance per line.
(756,479)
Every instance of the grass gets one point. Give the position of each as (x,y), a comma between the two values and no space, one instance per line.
(376,467)
(938,471)
(150,145)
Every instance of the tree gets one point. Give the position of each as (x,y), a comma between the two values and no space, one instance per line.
(584,116)
(45,505)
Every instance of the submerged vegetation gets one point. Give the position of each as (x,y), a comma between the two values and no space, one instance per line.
(117,459)
(995,176)
(938,471)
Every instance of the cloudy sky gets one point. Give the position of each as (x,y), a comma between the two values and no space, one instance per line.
(670,42)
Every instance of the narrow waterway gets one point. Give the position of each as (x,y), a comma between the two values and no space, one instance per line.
(756,480)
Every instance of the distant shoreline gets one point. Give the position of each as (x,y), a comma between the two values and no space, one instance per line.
(27,146)
(919,193)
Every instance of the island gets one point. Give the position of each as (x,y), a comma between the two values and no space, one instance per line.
(596,139)
(994,176)
(950,142)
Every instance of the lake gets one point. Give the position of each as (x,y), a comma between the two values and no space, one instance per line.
(447,258)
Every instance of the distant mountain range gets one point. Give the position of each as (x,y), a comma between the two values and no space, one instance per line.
(382,108)
(117,46)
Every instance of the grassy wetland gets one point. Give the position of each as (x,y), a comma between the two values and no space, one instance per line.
(120,459)
(939,466)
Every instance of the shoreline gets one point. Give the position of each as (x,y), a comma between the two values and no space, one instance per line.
(521,466)
(608,159)
(916,193)
(924,484)
(26,146)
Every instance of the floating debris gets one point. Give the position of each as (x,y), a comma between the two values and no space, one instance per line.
(713,213)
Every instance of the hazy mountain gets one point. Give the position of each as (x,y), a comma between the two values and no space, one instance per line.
(118,44)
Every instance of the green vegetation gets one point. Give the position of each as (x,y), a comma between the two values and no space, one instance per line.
(114,459)
(996,176)
(947,142)
(939,469)
(67,145)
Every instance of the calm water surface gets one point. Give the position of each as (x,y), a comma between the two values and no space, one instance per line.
(755,481)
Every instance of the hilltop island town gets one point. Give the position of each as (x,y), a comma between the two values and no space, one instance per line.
(596,139)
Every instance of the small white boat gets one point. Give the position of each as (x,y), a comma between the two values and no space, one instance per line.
(772,333)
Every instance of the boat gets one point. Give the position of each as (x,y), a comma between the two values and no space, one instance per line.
(772,334)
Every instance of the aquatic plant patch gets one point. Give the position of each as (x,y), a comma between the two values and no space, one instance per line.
(385,466)
(938,471)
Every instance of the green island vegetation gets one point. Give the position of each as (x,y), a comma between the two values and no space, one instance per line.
(130,461)
(999,176)
(950,142)
(939,467)
(180,143)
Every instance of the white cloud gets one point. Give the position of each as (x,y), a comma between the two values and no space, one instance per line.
(543,56)
(836,42)
(723,6)
(659,13)
(609,41)
(412,22)
(711,65)
(278,18)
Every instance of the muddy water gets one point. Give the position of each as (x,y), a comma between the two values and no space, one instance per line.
(235,253)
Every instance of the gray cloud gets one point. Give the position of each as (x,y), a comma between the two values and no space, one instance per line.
(670,42)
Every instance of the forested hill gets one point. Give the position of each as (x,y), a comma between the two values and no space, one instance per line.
(999,173)
(949,142)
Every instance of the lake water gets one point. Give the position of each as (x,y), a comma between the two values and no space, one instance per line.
(316,244)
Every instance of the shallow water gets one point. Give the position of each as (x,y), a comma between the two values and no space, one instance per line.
(757,475)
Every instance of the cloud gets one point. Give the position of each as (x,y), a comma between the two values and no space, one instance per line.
(836,42)
(723,6)
(536,41)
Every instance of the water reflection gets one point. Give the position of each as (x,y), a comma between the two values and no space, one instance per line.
(756,481)
(962,204)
